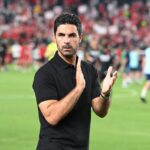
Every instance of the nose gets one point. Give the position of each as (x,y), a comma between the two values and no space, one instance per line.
(67,39)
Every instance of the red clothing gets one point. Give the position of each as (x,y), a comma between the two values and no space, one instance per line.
(25,56)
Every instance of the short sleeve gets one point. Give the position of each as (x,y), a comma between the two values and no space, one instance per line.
(95,84)
(44,87)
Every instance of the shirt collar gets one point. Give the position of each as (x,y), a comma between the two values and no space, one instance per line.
(61,63)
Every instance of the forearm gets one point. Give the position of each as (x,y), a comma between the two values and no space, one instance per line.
(58,110)
(101,106)
(104,106)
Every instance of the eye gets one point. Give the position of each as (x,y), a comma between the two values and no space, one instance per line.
(72,35)
(61,34)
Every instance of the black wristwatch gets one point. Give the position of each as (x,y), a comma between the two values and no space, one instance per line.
(105,96)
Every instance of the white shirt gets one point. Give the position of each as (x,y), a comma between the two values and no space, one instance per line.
(147,61)
(16,50)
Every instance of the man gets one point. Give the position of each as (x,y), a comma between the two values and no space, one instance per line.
(3,50)
(66,89)
(50,50)
(146,69)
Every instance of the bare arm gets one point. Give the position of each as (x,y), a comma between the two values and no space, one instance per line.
(101,104)
(54,110)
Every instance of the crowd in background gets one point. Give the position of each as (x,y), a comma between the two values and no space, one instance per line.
(111,29)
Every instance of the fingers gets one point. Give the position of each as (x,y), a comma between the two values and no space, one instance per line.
(109,71)
(115,74)
(114,77)
(80,81)
(109,79)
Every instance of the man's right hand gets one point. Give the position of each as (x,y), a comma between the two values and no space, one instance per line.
(80,81)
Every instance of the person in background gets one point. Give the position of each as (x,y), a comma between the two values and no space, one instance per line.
(16,53)
(66,88)
(134,63)
(3,50)
(106,59)
(38,55)
(126,80)
(51,49)
(146,69)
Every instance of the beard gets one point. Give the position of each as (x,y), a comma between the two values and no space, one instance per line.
(67,51)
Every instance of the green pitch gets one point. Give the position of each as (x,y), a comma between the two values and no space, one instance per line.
(127,126)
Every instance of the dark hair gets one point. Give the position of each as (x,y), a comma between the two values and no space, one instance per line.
(68,18)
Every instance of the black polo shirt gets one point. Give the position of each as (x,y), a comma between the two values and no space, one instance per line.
(54,81)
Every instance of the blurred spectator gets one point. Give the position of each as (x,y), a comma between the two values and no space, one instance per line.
(106,59)
(16,53)
(31,21)
(125,68)
(50,50)
(3,49)
(38,55)
(146,71)
(25,56)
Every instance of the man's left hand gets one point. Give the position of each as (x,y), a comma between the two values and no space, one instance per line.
(109,80)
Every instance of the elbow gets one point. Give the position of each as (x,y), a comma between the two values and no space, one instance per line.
(52,121)
(102,114)
(51,118)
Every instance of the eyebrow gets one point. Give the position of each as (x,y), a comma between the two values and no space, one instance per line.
(61,34)
(71,34)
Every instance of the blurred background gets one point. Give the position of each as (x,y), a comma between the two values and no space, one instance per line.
(115,33)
